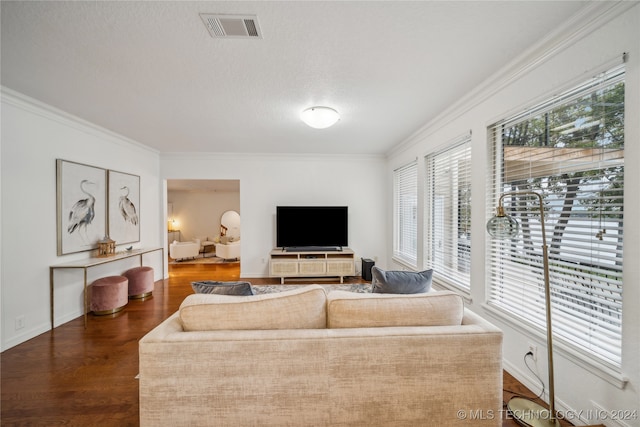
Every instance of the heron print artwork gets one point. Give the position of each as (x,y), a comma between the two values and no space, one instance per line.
(124,207)
(81,202)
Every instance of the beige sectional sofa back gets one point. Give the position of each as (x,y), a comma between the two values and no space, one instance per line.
(429,363)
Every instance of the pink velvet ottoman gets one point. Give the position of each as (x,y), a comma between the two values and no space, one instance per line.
(109,295)
(140,282)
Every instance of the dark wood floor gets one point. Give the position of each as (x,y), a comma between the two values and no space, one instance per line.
(73,376)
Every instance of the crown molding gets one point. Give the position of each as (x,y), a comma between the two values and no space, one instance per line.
(39,108)
(297,157)
(590,18)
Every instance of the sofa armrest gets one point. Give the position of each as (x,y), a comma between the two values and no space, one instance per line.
(169,326)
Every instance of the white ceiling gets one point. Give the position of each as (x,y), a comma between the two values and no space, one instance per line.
(150,71)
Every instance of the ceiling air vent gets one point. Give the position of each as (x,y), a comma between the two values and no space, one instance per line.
(232,26)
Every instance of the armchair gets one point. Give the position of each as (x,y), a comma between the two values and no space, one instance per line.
(181,250)
(229,250)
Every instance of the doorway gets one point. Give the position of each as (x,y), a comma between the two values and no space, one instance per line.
(195,209)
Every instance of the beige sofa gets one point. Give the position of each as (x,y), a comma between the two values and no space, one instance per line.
(308,358)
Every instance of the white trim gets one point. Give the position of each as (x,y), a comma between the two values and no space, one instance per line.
(33,106)
(441,284)
(563,410)
(447,156)
(404,263)
(295,157)
(587,20)
(606,333)
(405,227)
(605,415)
(576,417)
(608,373)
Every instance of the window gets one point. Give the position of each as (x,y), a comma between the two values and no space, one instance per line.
(405,213)
(448,213)
(571,151)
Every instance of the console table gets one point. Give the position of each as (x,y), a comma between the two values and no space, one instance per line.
(284,264)
(85,264)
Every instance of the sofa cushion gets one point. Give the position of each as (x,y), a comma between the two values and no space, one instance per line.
(356,310)
(222,288)
(400,282)
(302,308)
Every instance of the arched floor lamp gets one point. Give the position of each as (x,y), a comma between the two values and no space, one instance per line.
(526,412)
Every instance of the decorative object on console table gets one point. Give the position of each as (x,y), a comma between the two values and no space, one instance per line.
(106,247)
(501,226)
(124,207)
(81,206)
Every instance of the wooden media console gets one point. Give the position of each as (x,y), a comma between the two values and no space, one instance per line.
(284,264)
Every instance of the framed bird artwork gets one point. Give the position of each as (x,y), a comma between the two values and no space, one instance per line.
(124,207)
(81,192)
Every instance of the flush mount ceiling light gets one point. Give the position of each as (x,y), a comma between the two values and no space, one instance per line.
(320,117)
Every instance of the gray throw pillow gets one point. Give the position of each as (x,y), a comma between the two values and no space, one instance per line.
(400,282)
(222,288)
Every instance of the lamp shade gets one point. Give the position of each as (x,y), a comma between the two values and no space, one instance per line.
(320,117)
(503,227)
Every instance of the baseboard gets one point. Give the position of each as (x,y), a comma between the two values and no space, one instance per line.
(25,336)
(576,417)
(525,378)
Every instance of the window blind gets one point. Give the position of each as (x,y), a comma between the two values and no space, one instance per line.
(571,150)
(406,213)
(448,213)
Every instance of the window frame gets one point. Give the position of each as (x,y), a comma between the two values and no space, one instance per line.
(496,186)
(449,167)
(405,214)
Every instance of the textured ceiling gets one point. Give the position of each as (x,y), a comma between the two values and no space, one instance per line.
(150,70)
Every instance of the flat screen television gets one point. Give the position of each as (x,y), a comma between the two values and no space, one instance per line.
(312,227)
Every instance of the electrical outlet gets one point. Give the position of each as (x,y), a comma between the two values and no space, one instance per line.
(533,349)
(19,322)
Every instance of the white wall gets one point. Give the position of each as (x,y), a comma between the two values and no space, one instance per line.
(198,213)
(267,181)
(556,65)
(33,137)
